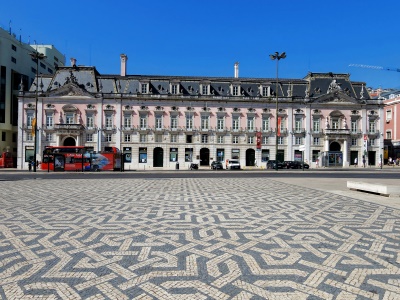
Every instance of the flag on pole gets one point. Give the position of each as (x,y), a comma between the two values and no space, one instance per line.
(279,126)
(33,127)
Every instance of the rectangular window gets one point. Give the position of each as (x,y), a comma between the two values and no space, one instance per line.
(265,124)
(354,142)
(250,123)
(204,138)
(235,123)
(142,155)
(43,65)
(127,121)
(109,121)
(174,138)
(158,138)
(353,126)
(264,155)
(371,127)
(108,137)
(265,140)
(159,122)
(205,89)
(235,139)
(69,118)
(127,138)
(188,154)
(29,137)
(49,121)
(144,88)
(33,70)
(174,89)
(235,90)
(371,142)
(49,137)
(220,139)
(235,153)
(297,125)
(388,135)
(143,122)
(315,155)
(335,123)
(265,90)
(205,122)
(14,60)
(280,140)
(143,138)
(89,137)
(13,47)
(189,122)
(174,122)
(173,154)
(29,119)
(298,140)
(389,114)
(189,139)
(316,125)
(250,140)
(316,141)
(89,121)
(220,123)
(3,136)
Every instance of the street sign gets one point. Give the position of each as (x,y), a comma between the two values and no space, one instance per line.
(302,148)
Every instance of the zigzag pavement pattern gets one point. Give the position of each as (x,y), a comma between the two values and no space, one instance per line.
(193,239)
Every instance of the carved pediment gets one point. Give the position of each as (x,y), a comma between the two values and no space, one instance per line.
(70,89)
(335,97)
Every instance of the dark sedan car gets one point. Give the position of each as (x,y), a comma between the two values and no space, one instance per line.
(271,164)
(299,165)
(289,164)
(215,165)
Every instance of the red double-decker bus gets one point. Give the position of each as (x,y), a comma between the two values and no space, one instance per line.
(79,158)
(6,160)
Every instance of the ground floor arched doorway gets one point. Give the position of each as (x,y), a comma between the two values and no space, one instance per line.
(204,157)
(69,141)
(250,157)
(158,157)
(334,146)
(335,155)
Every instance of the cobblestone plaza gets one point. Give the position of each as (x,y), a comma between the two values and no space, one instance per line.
(193,238)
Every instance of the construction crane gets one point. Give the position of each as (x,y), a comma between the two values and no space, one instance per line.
(375,67)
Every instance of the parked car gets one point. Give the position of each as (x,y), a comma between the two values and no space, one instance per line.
(300,165)
(215,165)
(232,164)
(289,164)
(271,164)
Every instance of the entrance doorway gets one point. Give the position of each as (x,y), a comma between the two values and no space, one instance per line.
(335,159)
(371,158)
(69,141)
(204,157)
(250,157)
(353,155)
(280,156)
(158,157)
(334,146)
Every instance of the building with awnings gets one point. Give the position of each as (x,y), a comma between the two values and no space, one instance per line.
(162,121)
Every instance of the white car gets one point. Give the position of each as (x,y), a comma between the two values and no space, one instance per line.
(232,164)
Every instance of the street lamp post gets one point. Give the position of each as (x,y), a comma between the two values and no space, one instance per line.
(36,56)
(277,57)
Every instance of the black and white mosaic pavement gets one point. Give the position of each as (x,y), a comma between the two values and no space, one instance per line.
(193,239)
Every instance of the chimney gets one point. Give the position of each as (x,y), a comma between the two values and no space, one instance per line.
(73,62)
(124,58)
(236,70)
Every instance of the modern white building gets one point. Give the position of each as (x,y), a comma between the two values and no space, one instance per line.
(17,69)
(160,121)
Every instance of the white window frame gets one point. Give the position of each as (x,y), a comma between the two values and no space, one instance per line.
(143,122)
(316,141)
(235,139)
(127,121)
(220,123)
(108,137)
(235,123)
(205,122)
(265,124)
(251,120)
(89,121)
(174,122)
(89,137)
(127,137)
(316,125)
(220,139)
(159,122)
(109,121)
(69,118)
(265,140)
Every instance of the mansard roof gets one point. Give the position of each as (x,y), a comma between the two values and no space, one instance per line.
(312,86)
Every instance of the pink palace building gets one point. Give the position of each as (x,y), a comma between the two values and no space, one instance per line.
(158,121)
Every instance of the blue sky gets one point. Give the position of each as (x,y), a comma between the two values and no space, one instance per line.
(206,38)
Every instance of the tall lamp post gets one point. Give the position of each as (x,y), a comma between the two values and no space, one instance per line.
(277,57)
(36,56)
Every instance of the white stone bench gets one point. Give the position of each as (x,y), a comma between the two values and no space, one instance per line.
(380,189)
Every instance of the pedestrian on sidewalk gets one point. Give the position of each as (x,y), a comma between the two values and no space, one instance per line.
(356,162)
(363,161)
(30,165)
